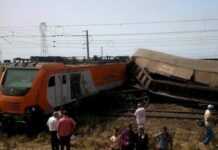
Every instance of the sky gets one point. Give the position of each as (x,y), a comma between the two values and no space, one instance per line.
(185,28)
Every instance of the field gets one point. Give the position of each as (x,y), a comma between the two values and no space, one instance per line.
(94,130)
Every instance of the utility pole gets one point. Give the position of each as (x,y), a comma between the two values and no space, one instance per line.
(44,46)
(87,43)
(54,45)
(102,51)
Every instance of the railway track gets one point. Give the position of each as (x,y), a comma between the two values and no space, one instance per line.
(160,114)
(175,115)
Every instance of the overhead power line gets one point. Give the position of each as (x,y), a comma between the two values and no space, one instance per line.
(119,24)
(115,41)
(141,22)
(37,36)
(117,34)
(158,33)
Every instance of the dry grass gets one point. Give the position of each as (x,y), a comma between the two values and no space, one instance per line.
(95,131)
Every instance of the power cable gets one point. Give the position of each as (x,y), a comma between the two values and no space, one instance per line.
(118,34)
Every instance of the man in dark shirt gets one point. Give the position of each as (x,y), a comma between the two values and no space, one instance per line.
(128,139)
(132,138)
(141,140)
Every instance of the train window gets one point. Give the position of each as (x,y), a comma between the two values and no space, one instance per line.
(51,81)
(64,80)
(18,79)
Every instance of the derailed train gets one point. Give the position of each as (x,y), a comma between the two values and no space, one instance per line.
(43,87)
(176,78)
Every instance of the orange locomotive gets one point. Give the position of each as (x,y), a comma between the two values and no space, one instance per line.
(47,86)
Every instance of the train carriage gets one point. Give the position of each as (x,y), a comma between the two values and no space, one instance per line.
(43,87)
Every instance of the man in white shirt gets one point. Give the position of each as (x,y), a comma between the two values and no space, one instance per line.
(140,116)
(52,126)
(209,121)
(208,116)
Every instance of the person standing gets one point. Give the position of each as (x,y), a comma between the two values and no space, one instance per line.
(209,122)
(127,139)
(52,126)
(164,140)
(115,140)
(65,128)
(140,116)
(141,140)
(132,138)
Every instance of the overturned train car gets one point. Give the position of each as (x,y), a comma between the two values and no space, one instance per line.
(175,77)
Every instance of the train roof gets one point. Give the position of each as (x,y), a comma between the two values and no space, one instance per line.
(196,64)
(55,66)
(57,62)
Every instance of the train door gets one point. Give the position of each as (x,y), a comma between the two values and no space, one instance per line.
(65,97)
(65,89)
(58,89)
(62,92)
(51,91)
(75,89)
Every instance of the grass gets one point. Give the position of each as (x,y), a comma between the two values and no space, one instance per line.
(94,130)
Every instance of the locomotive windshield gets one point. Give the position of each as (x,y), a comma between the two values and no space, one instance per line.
(17,82)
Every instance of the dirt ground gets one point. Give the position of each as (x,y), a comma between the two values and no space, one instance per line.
(95,132)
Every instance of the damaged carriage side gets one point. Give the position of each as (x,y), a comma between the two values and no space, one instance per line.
(175,77)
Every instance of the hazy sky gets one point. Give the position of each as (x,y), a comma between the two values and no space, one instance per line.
(158,20)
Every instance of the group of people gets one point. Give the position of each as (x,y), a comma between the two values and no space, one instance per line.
(127,139)
(61,128)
